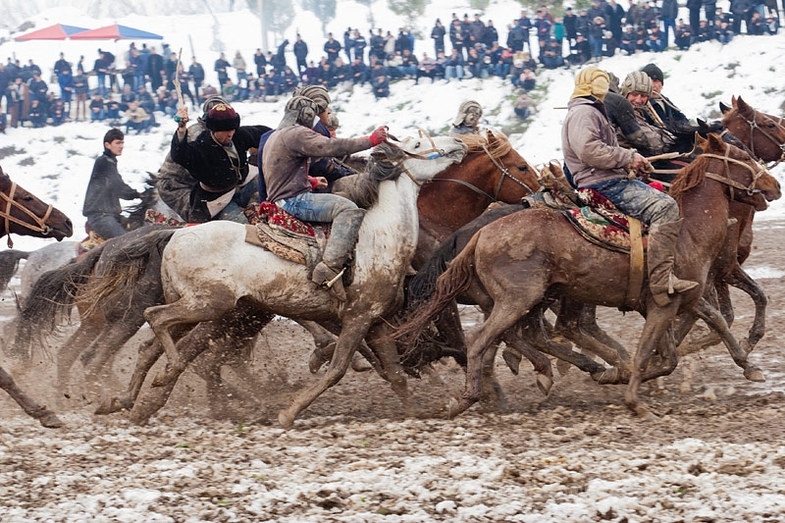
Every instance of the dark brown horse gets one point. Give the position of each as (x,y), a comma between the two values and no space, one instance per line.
(514,263)
(22,213)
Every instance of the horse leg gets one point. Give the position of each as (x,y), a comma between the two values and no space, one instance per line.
(502,317)
(577,322)
(44,416)
(658,322)
(352,333)
(68,354)
(162,317)
(105,348)
(149,352)
(741,280)
(389,366)
(714,319)
(517,339)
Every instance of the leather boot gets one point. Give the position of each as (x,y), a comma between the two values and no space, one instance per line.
(661,252)
(343,238)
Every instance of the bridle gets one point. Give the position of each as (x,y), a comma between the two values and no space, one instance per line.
(431,154)
(753,124)
(505,173)
(5,214)
(750,190)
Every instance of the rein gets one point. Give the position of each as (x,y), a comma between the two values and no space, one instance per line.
(431,154)
(505,173)
(40,223)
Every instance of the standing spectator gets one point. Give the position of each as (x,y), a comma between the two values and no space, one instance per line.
(66,81)
(694,7)
(543,26)
(596,34)
(155,69)
(38,89)
(279,60)
(437,35)
(18,96)
(101,69)
(300,49)
(404,42)
(240,67)
(183,76)
(170,70)
(710,11)
(106,188)
(614,16)
(196,74)
(570,25)
(261,62)
(377,45)
(348,44)
(81,90)
(490,35)
(456,36)
(515,36)
(220,67)
(135,63)
(359,45)
(476,30)
(633,17)
(526,26)
(669,12)
(582,23)
(332,47)
(60,65)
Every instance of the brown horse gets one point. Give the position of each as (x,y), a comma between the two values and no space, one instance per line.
(22,213)
(492,171)
(517,261)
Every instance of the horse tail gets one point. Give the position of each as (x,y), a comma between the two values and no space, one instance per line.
(9,263)
(455,280)
(50,300)
(121,269)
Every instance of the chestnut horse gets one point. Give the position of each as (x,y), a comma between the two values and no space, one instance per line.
(542,245)
(24,214)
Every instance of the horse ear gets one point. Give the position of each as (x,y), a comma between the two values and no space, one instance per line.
(733,100)
(742,106)
(724,108)
(715,142)
(700,141)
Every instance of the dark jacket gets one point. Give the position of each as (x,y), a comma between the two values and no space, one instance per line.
(106,188)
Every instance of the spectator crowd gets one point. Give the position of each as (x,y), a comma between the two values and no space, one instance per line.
(132,89)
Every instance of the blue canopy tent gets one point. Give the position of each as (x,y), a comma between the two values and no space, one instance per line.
(116,32)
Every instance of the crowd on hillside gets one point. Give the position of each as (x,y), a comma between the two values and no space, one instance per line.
(141,83)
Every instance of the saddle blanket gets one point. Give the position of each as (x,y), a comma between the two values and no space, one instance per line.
(600,222)
(284,235)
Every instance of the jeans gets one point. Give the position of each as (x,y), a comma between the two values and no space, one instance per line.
(635,198)
(317,207)
(453,71)
(233,212)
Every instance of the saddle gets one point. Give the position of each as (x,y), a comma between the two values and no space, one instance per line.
(286,236)
(151,216)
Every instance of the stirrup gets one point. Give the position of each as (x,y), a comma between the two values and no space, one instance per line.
(330,283)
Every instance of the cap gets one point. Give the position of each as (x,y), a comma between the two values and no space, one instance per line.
(222,118)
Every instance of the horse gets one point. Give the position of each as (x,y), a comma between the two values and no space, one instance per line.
(9,262)
(487,164)
(545,247)
(383,254)
(25,214)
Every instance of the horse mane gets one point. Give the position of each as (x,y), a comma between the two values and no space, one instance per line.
(363,188)
(495,143)
(689,177)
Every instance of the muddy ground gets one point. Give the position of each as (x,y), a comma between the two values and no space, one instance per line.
(714,454)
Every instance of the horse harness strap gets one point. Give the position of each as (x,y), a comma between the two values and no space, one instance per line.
(636,275)
(6,213)
(727,180)
(431,154)
(754,125)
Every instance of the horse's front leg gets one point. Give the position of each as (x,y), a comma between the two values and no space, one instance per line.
(44,416)
(389,367)
(149,352)
(353,331)
(741,280)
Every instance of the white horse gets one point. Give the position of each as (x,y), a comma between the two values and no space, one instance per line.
(208,270)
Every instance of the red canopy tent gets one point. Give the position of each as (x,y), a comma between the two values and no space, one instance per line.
(53,32)
(116,32)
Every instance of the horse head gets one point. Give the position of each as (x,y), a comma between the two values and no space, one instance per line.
(748,180)
(23,213)
(424,156)
(759,132)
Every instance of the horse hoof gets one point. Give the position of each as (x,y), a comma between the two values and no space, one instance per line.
(606,376)
(456,406)
(159,380)
(512,359)
(544,383)
(754,374)
(360,364)
(113,405)
(50,421)
(286,419)
(139,418)
(317,360)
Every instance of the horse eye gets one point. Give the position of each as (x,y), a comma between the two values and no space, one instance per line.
(417,145)
(27,199)
(523,167)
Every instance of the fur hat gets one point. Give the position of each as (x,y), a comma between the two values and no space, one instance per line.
(636,82)
(465,108)
(591,81)
(210,103)
(654,72)
(222,118)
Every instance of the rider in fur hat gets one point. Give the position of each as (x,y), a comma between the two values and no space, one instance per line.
(468,119)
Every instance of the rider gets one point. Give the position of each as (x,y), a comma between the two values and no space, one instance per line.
(174,183)
(285,165)
(597,162)
(106,188)
(468,119)
(218,159)
(637,89)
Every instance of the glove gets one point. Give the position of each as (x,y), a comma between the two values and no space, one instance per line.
(378,136)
